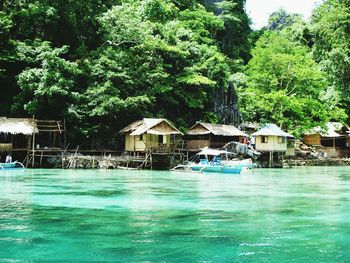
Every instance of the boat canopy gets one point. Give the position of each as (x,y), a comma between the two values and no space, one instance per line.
(213,152)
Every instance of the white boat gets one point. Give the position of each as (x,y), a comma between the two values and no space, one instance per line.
(246,163)
(215,161)
(11,165)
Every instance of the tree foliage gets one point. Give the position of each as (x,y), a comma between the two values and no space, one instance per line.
(281,19)
(286,86)
(127,60)
(331,27)
(102,64)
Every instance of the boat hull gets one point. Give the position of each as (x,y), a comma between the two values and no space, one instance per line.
(217,169)
(11,165)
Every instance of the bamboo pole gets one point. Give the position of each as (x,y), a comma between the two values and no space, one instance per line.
(33,143)
(64,134)
(41,158)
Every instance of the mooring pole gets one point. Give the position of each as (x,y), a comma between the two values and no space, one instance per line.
(33,143)
(64,133)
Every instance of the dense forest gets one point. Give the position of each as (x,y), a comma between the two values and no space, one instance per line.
(101,64)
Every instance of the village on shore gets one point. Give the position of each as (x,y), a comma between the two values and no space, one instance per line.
(158,144)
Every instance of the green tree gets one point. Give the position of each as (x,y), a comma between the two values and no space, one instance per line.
(285,85)
(281,19)
(234,38)
(102,64)
(155,60)
(330,25)
(49,86)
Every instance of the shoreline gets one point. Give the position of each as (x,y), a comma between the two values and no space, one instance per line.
(318,162)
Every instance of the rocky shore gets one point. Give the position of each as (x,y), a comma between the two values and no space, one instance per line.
(317,162)
(314,156)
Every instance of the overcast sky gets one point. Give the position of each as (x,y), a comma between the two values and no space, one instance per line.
(259,10)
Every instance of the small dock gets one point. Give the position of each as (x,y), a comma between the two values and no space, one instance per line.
(103,159)
(149,160)
(79,161)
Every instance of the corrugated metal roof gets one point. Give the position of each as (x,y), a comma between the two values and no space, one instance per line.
(148,125)
(216,129)
(18,126)
(270,129)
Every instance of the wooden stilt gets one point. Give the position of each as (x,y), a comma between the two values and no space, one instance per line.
(64,134)
(41,158)
(33,147)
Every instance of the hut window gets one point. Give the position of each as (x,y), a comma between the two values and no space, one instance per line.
(264,139)
(160,138)
(281,139)
(141,137)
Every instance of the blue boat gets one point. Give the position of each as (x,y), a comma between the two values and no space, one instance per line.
(229,169)
(11,165)
(211,162)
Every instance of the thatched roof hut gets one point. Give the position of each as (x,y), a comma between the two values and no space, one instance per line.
(148,133)
(150,126)
(212,135)
(201,128)
(16,126)
(335,134)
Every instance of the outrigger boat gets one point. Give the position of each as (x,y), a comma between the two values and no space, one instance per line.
(211,161)
(11,165)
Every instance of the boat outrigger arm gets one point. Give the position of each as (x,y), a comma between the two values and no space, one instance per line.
(11,165)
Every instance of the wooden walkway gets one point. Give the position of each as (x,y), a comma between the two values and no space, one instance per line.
(92,159)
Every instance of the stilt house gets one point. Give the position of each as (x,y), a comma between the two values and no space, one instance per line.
(150,135)
(16,134)
(210,135)
(31,137)
(273,143)
(271,138)
(334,139)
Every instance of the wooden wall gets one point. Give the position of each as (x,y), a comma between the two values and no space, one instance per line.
(272,145)
(134,143)
(5,147)
(312,139)
(197,144)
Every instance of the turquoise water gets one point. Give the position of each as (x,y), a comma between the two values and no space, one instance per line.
(290,215)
